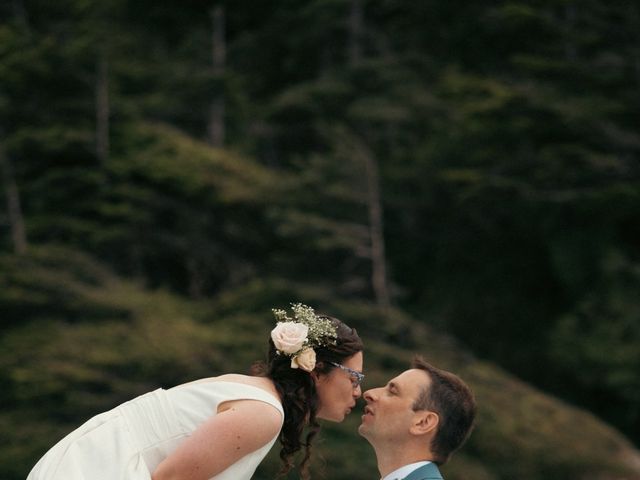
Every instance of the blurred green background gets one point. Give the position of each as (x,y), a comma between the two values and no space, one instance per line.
(457,179)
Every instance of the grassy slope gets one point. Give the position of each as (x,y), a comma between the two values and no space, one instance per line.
(78,340)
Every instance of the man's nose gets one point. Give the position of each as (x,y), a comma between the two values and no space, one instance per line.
(369,395)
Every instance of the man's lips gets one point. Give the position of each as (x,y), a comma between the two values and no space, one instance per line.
(367,411)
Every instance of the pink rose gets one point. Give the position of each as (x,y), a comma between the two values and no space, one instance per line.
(305,360)
(288,337)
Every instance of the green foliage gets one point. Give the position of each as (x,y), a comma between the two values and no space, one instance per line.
(505,138)
(57,373)
(598,341)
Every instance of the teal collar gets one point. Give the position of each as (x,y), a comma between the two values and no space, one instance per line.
(426,472)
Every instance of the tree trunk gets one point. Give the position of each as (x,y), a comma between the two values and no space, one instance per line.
(570,49)
(376,229)
(356,27)
(14,210)
(374,200)
(102,109)
(634,16)
(20,14)
(216,130)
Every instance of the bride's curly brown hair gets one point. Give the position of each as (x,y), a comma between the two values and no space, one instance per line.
(298,392)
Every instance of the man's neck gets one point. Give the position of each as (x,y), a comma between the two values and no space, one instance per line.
(391,458)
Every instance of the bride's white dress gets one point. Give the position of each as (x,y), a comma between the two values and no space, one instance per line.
(130,441)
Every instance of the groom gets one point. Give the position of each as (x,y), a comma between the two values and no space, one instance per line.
(417,421)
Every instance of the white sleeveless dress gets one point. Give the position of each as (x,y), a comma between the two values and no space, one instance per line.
(130,441)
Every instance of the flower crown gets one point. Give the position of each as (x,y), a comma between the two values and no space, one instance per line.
(298,336)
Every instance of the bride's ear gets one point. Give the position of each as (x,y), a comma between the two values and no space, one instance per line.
(315,375)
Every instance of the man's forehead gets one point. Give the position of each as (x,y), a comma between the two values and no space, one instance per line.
(412,379)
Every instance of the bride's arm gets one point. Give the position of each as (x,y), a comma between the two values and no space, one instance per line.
(241,428)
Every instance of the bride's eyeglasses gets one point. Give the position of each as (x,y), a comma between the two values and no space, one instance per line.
(356,377)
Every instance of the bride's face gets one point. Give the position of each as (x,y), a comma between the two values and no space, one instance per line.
(336,391)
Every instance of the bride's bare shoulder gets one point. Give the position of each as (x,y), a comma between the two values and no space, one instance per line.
(235,378)
(263,383)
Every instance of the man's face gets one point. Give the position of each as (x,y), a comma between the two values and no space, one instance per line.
(388,415)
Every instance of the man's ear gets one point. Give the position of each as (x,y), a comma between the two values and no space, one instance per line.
(424,422)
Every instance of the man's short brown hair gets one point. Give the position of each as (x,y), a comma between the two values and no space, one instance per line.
(453,401)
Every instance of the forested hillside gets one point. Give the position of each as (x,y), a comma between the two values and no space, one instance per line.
(170,171)
(99,340)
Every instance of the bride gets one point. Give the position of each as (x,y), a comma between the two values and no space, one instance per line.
(222,427)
